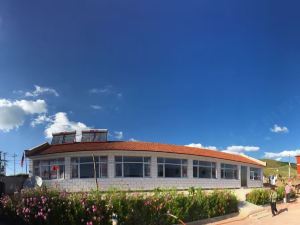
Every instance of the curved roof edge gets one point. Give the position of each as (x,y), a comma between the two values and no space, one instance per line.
(46,149)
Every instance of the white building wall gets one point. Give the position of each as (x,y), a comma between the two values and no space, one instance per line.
(77,185)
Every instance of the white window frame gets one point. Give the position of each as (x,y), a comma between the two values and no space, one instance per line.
(223,167)
(181,164)
(58,163)
(122,165)
(212,168)
(252,173)
(78,163)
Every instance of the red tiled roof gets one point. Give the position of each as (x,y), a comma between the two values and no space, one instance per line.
(46,149)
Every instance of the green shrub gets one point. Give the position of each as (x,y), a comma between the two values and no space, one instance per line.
(261,196)
(39,207)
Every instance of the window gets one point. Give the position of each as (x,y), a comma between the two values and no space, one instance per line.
(203,169)
(229,171)
(255,173)
(83,167)
(131,166)
(36,168)
(49,169)
(169,167)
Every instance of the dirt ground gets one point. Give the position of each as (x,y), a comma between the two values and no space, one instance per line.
(289,214)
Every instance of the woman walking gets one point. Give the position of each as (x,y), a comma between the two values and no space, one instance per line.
(273,199)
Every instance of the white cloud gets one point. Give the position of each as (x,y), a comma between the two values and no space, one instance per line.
(278,129)
(239,149)
(133,140)
(118,134)
(198,145)
(282,154)
(96,107)
(41,119)
(13,113)
(107,90)
(41,90)
(60,122)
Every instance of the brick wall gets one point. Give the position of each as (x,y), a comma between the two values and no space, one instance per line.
(144,183)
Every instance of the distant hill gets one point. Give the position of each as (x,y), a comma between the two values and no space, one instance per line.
(283,168)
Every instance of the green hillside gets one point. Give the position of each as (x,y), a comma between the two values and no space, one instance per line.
(282,167)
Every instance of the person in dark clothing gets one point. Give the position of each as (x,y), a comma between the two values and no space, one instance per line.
(273,199)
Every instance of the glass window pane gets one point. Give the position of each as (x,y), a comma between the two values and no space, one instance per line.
(74,171)
(86,159)
(74,160)
(133,170)
(36,171)
(195,171)
(86,170)
(160,170)
(147,170)
(195,162)
(45,172)
(172,170)
(118,170)
(213,175)
(204,172)
(184,171)
(160,160)
(204,164)
(172,161)
(147,159)
(184,161)
(132,159)
(61,172)
(103,170)
(118,158)
(103,158)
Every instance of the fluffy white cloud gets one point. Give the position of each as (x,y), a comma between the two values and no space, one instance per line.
(198,145)
(235,149)
(239,149)
(96,107)
(118,134)
(41,90)
(282,154)
(60,122)
(13,113)
(279,129)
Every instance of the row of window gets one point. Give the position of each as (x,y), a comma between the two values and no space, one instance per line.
(131,166)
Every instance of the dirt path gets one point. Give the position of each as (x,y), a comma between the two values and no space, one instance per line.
(289,214)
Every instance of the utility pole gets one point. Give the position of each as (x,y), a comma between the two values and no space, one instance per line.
(14,156)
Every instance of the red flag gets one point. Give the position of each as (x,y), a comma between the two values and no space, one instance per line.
(22,160)
(55,168)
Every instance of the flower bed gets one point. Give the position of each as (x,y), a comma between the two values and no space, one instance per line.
(51,207)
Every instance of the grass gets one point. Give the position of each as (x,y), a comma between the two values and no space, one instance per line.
(282,167)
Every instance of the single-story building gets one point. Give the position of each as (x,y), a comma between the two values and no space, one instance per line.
(72,166)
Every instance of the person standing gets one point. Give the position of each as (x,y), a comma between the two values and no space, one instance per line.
(273,199)
(287,192)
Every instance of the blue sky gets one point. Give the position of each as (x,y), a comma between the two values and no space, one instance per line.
(223,74)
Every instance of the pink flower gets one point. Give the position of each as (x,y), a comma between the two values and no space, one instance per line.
(89,223)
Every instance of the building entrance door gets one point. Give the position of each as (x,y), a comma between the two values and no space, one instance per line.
(244,176)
